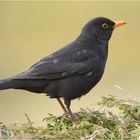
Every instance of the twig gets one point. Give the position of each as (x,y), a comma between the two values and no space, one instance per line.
(30,123)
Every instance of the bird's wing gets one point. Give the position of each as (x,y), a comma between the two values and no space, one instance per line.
(58,67)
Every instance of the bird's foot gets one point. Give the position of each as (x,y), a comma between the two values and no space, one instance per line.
(74,116)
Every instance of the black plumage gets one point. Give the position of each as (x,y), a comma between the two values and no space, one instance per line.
(73,70)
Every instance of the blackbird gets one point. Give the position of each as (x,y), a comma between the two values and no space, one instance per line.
(71,71)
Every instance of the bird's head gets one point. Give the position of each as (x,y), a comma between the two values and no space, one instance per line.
(101,27)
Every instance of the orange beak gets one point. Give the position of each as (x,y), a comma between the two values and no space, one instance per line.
(119,23)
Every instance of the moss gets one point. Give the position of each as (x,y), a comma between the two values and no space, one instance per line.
(101,123)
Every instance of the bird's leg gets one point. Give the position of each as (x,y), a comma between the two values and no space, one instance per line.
(63,107)
(67,103)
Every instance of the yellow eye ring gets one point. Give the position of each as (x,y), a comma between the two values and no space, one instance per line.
(105,26)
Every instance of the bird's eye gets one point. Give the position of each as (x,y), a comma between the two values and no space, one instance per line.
(105,26)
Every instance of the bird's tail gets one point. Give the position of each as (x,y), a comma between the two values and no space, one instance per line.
(7,83)
(31,85)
